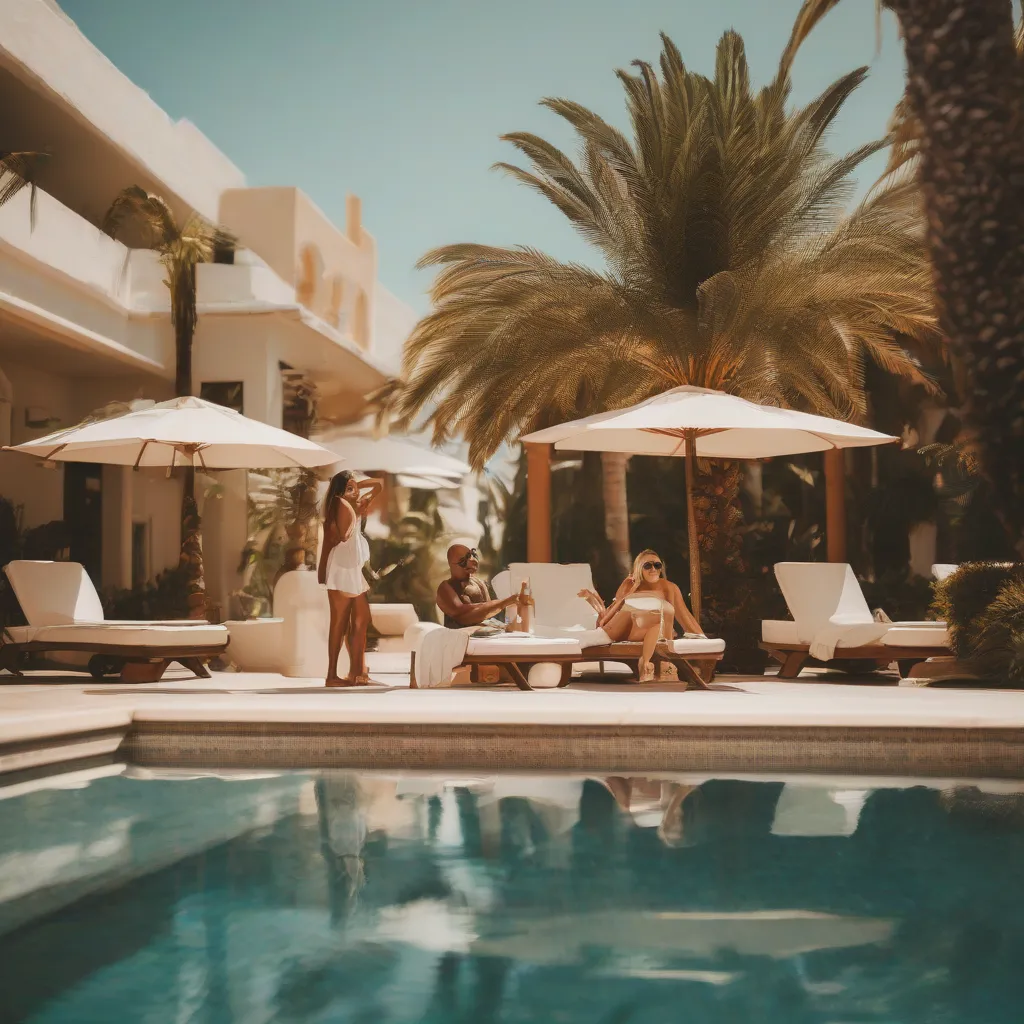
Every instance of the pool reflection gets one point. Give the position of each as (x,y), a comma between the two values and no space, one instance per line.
(365,897)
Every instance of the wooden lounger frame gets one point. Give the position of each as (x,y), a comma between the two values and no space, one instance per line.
(140,664)
(697,670)
(793,657)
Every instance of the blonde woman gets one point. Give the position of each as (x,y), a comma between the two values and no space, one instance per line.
(621,622)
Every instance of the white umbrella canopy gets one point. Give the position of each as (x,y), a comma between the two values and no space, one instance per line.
(697,423)
(181,432)
(722,427)
(390,455)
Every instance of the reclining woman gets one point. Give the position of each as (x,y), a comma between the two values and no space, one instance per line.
(621,622)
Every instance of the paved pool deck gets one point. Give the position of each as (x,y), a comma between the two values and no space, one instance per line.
(743,722)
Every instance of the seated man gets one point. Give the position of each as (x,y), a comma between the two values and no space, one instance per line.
(464,599)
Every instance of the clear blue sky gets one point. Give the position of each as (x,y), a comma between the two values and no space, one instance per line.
(402,101)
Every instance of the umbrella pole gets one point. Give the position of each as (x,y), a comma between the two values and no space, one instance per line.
(691,525)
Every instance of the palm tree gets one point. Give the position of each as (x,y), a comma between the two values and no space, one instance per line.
(181,249)
(17,171)
(964,95)
(730,264)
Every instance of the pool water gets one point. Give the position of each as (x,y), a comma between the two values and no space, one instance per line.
(132,895)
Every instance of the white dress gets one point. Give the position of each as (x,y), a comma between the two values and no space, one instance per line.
(345,564)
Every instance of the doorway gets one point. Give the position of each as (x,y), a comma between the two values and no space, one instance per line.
(83,515)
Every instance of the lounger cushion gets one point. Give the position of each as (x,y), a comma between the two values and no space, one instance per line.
(822,594)
(916,636)
(522,646)
(584,637)
(105,634)
(554,588)
(54,593)
(780,631)
(698,646)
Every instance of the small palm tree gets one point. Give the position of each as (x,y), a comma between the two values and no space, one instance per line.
(18,171)
(181,249)
(961,117)
(730,264)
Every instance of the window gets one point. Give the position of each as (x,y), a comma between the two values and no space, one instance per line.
(229,393)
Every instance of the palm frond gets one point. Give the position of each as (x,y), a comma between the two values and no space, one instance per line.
(731,260)
(20,170)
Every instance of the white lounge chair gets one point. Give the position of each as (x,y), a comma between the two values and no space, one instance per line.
(560,613)
(831,619)
(64,613)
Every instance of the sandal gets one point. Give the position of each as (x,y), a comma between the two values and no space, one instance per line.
(645,671)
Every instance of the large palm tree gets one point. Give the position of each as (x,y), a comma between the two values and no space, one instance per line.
(181,249)
(965,110)
(730,263)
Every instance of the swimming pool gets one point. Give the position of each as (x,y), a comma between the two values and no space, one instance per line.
(129,894)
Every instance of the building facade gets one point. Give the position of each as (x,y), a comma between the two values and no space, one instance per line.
(85,321)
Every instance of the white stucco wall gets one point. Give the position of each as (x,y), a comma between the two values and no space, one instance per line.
(394,321)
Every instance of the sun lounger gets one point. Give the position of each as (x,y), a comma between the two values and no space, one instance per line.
(560,612)
(831,620)
(64,613)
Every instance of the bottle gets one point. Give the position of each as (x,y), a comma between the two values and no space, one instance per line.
(527,606)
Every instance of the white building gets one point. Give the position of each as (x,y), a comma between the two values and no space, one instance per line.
(85,321)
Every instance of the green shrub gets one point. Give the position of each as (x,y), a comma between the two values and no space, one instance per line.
(964,596)
(997,640)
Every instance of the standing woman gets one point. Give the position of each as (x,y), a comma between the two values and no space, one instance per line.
(345,552)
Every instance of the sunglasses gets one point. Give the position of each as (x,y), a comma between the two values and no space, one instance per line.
(651,565)
(471,553)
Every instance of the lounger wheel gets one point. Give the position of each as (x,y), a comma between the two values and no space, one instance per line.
(101,665)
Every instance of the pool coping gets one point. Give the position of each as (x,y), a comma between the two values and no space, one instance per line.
(922,752)
(742,725)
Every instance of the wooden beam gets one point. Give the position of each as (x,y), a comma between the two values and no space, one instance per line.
(835,504)
(538,502)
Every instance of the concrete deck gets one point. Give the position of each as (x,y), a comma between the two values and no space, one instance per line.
(239,718)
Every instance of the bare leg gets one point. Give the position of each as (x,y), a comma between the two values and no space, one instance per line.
(356,638)
(341,612)
(646,664)
(619,626)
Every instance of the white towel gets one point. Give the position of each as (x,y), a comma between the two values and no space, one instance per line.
(852,634)
(439,653)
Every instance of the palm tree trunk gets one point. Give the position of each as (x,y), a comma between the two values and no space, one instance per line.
(183,308)
(965,88)
(616,507)
(718,517)
(190,561)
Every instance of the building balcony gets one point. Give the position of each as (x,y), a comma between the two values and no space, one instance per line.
(65,281)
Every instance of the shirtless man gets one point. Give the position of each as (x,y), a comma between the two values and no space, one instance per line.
(464,599)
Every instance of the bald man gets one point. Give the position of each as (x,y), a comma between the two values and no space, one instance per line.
(464,599)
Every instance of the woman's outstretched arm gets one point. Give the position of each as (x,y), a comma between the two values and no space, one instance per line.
(683,614)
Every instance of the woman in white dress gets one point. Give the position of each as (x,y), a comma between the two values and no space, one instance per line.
(345,552)
(621,622)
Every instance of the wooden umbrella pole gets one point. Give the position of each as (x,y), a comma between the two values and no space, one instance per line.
(691,524)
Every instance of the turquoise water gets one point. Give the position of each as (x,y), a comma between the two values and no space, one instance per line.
(386,899)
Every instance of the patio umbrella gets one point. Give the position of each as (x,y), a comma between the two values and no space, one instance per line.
(391,455)
(181,432)
(186,432)
(694,423)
